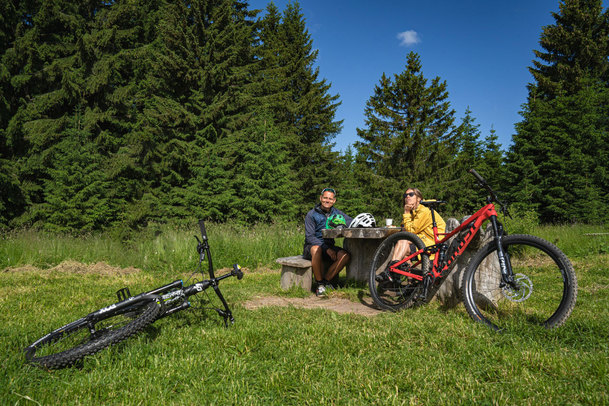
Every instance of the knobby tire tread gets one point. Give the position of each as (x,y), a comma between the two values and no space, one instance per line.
(569,278)
(378,259)
(71,356)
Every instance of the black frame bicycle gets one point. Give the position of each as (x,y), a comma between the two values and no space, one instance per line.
(112,324)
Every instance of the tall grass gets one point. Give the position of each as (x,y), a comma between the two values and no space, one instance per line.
(166,249)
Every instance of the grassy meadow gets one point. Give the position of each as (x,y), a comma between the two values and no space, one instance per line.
(286,355)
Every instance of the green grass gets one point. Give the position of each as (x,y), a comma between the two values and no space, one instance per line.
(164,251)
(277,355)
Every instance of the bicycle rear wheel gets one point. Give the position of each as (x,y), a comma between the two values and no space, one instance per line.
(72,342)
(544,291)
(400,291)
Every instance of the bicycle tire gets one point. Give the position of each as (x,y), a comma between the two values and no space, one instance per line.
(401,291)
(546,289)
(70,343)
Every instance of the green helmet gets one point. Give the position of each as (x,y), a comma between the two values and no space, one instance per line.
(336,221)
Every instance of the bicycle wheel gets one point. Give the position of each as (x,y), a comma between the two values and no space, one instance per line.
(544,291)
(400,291)
(72,342)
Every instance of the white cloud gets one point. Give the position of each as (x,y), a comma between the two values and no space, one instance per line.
(408,38)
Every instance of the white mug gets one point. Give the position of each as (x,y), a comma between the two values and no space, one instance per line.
(388,222)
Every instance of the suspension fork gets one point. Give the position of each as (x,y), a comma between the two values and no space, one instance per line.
(507,275)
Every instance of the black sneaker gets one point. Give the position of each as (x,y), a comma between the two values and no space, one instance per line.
(329,285)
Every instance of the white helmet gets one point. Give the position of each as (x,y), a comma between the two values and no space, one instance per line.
(363,220)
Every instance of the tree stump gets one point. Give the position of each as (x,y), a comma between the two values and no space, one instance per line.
(449,292)
(295,271)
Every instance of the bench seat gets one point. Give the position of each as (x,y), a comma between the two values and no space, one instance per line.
(296,271)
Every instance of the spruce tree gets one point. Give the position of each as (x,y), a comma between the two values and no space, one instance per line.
(300,103)
(350,193)
(574,48)
(410,139)
(552,165)
(469,155)
(43,66)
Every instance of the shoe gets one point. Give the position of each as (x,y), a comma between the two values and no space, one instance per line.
(329,285)
(321,290)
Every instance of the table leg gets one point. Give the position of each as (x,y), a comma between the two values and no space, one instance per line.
(362,251)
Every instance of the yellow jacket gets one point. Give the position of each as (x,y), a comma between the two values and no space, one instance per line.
(419,222)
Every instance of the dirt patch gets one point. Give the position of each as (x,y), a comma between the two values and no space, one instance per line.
(99,268)
(339,305)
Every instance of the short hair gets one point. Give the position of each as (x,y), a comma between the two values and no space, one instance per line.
(328,189)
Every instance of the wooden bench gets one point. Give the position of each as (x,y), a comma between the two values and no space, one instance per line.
(296,271)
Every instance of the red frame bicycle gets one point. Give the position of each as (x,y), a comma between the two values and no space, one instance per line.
(440,263)
(513,277)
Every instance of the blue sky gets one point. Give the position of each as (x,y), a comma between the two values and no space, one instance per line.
(481,48)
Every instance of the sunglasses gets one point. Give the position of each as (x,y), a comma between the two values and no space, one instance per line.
(328,189)
(409,194)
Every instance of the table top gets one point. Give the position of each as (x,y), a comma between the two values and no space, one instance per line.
(379,232)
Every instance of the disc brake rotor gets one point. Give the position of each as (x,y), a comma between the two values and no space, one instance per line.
(521,291)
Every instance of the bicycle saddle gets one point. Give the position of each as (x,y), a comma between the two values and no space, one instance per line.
(433,204)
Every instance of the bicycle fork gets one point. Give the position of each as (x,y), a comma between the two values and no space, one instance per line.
(507,275)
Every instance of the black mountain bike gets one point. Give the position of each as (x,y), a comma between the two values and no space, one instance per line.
(130,315)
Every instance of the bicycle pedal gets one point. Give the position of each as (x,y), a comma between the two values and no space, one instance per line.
(123,294)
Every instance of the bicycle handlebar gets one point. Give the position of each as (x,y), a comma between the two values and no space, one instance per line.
(493,196)
(477,176)
(203,231)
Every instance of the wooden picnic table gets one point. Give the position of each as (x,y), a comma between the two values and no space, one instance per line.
(361,243)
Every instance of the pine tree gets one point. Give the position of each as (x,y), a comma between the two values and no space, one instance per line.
(410,139)
(576,47)
(300,103)
(552,164)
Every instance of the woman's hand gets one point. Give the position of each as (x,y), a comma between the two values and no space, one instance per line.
(409,207)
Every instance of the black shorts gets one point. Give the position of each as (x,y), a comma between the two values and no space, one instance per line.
(306,254)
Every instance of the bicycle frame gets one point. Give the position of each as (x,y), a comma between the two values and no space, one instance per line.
(440,263)
(173,296)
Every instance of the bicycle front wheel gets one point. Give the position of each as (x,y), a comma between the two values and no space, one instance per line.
(544,290)
(69,344)
(390,290)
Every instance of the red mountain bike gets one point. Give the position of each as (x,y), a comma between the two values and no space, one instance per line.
(512,280)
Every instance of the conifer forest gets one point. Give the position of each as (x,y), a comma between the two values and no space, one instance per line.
(115,114)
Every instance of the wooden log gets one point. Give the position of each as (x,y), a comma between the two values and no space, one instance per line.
(295,271)
(449,292)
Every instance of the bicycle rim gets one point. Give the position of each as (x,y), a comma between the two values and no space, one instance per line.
(544,289)
(69,344)
(400,291)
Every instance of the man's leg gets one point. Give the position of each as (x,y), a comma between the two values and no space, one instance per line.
(317,263)
(342,258)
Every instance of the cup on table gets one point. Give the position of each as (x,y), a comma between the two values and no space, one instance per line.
(388,222)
